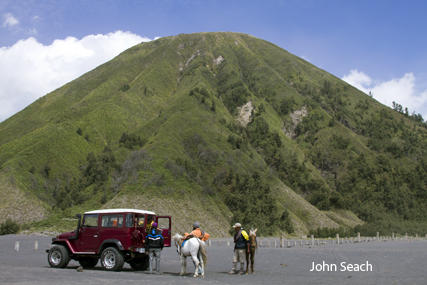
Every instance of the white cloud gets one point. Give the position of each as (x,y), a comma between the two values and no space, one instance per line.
(9,20)
(33,32)
(305,58)
(401,90)
(29,69)
(358,79)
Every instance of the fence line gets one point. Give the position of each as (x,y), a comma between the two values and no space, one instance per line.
(280,242)
(283,242)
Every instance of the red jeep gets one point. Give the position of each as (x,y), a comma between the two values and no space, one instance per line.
(115,236)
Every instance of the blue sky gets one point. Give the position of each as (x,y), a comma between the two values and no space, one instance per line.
(376,45)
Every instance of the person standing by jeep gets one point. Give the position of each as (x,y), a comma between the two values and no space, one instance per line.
(154,242)
(241,245)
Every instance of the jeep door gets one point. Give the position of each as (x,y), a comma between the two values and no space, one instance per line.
(90,233)
(164,224)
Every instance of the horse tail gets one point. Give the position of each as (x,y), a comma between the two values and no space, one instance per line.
(203,252)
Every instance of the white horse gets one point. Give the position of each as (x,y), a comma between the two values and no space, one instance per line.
(195,248)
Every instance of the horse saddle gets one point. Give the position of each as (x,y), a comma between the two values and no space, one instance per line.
(183,243)
(185,238)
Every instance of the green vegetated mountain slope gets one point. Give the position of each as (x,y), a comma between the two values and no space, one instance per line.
(215,128)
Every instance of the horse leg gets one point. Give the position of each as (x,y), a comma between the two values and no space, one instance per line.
(183,265)
(201,266)
(252,261)
(196,264)
(198,267)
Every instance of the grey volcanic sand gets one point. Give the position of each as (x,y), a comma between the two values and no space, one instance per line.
(393,262)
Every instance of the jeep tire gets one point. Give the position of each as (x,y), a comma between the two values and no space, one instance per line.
(140,263)
(112,259)
(88,262)
(58,256)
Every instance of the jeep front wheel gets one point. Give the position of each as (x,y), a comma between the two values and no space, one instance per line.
(58,256)
(112,259)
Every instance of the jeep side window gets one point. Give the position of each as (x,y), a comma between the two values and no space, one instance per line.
(141,220)
(110,221)
(120,224)
(129,221)
(90,221)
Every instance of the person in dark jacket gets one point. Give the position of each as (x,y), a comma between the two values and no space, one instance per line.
(154,242)
(241,245)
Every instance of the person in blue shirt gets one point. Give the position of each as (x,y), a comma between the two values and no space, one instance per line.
(154,242)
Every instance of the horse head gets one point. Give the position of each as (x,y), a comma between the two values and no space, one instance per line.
(252,232)
(252,236)
(176,238)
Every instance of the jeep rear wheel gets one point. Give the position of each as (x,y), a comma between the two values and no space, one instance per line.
(58,256)
(88,262)
(139,263)
(112,259)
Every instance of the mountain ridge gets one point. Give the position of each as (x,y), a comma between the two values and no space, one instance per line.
(160,122)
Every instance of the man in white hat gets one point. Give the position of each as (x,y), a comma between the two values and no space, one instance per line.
(241,245)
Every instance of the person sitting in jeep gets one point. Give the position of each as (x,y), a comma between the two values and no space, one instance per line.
(149,224)
(141,219)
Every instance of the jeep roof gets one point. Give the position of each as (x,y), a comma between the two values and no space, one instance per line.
(103,211)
